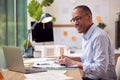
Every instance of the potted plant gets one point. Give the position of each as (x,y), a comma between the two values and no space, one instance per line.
(101,25)
(35,9)
(118,16)
(27,44)
(28,49)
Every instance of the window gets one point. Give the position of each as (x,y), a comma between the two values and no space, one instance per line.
(13,22)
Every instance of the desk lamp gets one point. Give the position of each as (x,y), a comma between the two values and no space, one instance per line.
(46,17)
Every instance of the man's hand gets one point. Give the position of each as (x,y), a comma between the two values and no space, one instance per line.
(65,60)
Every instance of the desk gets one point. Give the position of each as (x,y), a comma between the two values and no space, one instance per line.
(49,75)
(73,74)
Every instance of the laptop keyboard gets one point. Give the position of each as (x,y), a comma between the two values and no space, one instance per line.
(34,70)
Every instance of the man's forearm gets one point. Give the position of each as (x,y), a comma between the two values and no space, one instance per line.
(76,58)
(79,64)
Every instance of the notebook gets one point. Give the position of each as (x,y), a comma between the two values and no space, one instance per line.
(14,61)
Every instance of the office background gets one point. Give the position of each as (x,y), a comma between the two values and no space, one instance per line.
(107,9)
(14,20)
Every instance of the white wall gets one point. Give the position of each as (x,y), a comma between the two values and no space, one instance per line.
(114,9)
(107,9)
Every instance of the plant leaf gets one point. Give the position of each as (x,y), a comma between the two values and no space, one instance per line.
(32,8)
(47,2)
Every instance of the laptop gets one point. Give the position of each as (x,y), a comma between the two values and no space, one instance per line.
(14,61)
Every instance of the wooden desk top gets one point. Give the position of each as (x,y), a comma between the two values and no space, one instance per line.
(11,75)
(74,74)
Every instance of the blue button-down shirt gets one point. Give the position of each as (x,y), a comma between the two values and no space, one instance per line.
(98,56)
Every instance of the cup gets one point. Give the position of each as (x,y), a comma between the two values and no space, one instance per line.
(37,54)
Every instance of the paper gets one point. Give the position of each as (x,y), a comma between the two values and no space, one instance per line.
(33,60)
(49,75)
(51,65)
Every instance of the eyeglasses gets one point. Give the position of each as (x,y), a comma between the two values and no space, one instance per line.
(76,19)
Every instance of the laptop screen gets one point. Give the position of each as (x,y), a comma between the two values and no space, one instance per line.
(13,58)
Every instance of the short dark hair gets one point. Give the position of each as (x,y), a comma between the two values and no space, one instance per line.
(84,8)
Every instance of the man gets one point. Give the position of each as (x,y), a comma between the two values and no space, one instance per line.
(97,61)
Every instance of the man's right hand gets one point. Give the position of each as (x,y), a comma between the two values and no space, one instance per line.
(65,60)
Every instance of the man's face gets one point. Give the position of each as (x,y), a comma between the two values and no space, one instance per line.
(81,20)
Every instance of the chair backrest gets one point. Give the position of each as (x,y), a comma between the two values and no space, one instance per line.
(118,68)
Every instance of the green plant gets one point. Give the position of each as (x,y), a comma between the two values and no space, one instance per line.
(101,25)
(35,9)
(28,49)
(118,16)
(27,44)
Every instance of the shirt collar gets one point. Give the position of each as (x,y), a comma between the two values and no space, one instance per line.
(89,33)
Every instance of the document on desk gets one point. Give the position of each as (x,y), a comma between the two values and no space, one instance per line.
(49,75)
(52,65)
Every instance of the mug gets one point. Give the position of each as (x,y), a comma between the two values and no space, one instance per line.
(37,54)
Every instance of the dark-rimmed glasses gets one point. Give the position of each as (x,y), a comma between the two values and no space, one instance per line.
(76,19)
